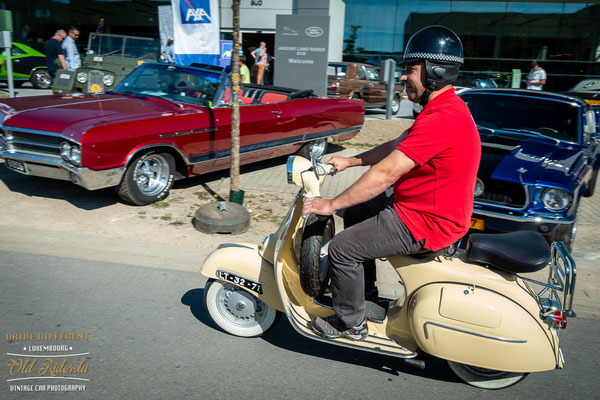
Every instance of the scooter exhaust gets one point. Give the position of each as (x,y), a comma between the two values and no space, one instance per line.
(420,364)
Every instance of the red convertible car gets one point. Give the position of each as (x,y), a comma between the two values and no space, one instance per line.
(164,122)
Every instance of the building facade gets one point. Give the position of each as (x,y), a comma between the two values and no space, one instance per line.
(498,36)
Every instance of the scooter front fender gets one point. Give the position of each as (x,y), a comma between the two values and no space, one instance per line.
(243,264)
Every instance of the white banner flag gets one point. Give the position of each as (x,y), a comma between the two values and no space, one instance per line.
(196,31)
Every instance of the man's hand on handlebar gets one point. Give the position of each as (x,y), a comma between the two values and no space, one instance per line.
(317,205)
(340,163)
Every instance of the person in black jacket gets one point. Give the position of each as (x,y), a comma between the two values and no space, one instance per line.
(55,58)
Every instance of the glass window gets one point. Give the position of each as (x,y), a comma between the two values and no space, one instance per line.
(372,74)
(337,69)
(360,74)
(177,83)
(15,51)
(528,115)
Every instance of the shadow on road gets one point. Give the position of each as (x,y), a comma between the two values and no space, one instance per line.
(284,337)
(33,186)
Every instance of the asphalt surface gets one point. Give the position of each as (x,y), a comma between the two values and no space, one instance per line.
(149,336)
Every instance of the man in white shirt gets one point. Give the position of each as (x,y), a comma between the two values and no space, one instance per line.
(537,77)
(70,49)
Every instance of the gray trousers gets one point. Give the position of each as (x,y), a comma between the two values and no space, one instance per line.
(372,230)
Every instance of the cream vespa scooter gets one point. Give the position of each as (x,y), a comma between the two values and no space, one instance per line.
(471,308)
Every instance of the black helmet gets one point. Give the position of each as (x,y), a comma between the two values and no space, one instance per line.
(442,51)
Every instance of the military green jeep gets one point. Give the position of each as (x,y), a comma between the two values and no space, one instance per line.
(109,59)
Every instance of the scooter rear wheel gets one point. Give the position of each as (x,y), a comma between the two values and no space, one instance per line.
(237,311)
(486,378)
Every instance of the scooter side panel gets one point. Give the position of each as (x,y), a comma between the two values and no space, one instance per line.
(246,262)
(479,327)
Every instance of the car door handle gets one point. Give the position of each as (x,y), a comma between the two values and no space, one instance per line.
(276,112)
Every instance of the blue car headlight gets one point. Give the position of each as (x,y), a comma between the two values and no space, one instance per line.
(556,199)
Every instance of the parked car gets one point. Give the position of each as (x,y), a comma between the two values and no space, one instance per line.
(164,122)
(29,65)
(108,60)
(589,91)
(349,80)
(540,155)
(462,84)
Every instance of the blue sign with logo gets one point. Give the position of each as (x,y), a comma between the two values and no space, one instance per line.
(195,11)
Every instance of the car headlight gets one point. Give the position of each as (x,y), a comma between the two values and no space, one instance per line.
(478,188)
(65,150)
(82,77)
(70,152)
(556,199)
(108,80)
(76,155)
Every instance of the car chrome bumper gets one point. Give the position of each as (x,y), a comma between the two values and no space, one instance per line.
(53,168)
(529,218)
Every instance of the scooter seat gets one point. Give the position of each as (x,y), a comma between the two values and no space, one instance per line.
(519,252)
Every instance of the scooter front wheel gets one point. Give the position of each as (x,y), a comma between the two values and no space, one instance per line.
(485,378)
(237,311)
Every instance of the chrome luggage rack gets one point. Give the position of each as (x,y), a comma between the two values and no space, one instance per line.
(556,294)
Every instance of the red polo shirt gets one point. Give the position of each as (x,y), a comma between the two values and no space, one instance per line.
(435,199)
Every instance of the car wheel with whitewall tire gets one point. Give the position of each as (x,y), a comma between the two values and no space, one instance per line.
(314,274)
(40,79)
(148,178)
(485,378)
(564,233)
(237,311)
(316,148)
(589,191)
(395,105)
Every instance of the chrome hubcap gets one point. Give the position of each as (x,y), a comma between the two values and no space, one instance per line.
(240,307)
(152,175)
(317,148)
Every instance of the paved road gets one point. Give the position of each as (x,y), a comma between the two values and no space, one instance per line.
(149,337)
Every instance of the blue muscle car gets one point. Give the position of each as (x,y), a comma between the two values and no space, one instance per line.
(540,155)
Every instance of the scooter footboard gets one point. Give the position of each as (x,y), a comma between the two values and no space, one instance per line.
(479,327)
(242,265)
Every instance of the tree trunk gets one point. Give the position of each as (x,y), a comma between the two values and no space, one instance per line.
(234,171)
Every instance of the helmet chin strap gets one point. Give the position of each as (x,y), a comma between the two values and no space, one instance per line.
(425,95)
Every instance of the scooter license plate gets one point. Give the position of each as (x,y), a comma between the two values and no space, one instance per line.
(241,281)
(477,223)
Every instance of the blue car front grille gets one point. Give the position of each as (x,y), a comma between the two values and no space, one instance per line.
(501,193)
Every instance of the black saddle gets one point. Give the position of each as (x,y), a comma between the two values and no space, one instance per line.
(519,252)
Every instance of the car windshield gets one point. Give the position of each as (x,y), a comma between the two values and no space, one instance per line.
(173,82)
(480,83)
(555,119)
(587,84)
(123,46)
(337,69)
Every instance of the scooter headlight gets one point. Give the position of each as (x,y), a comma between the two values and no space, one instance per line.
(82,77)
(556,199)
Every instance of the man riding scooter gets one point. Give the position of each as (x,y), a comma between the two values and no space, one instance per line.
(432,167)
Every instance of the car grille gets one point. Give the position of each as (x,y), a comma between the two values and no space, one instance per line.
(95,80)
(506,194)
(29,143)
